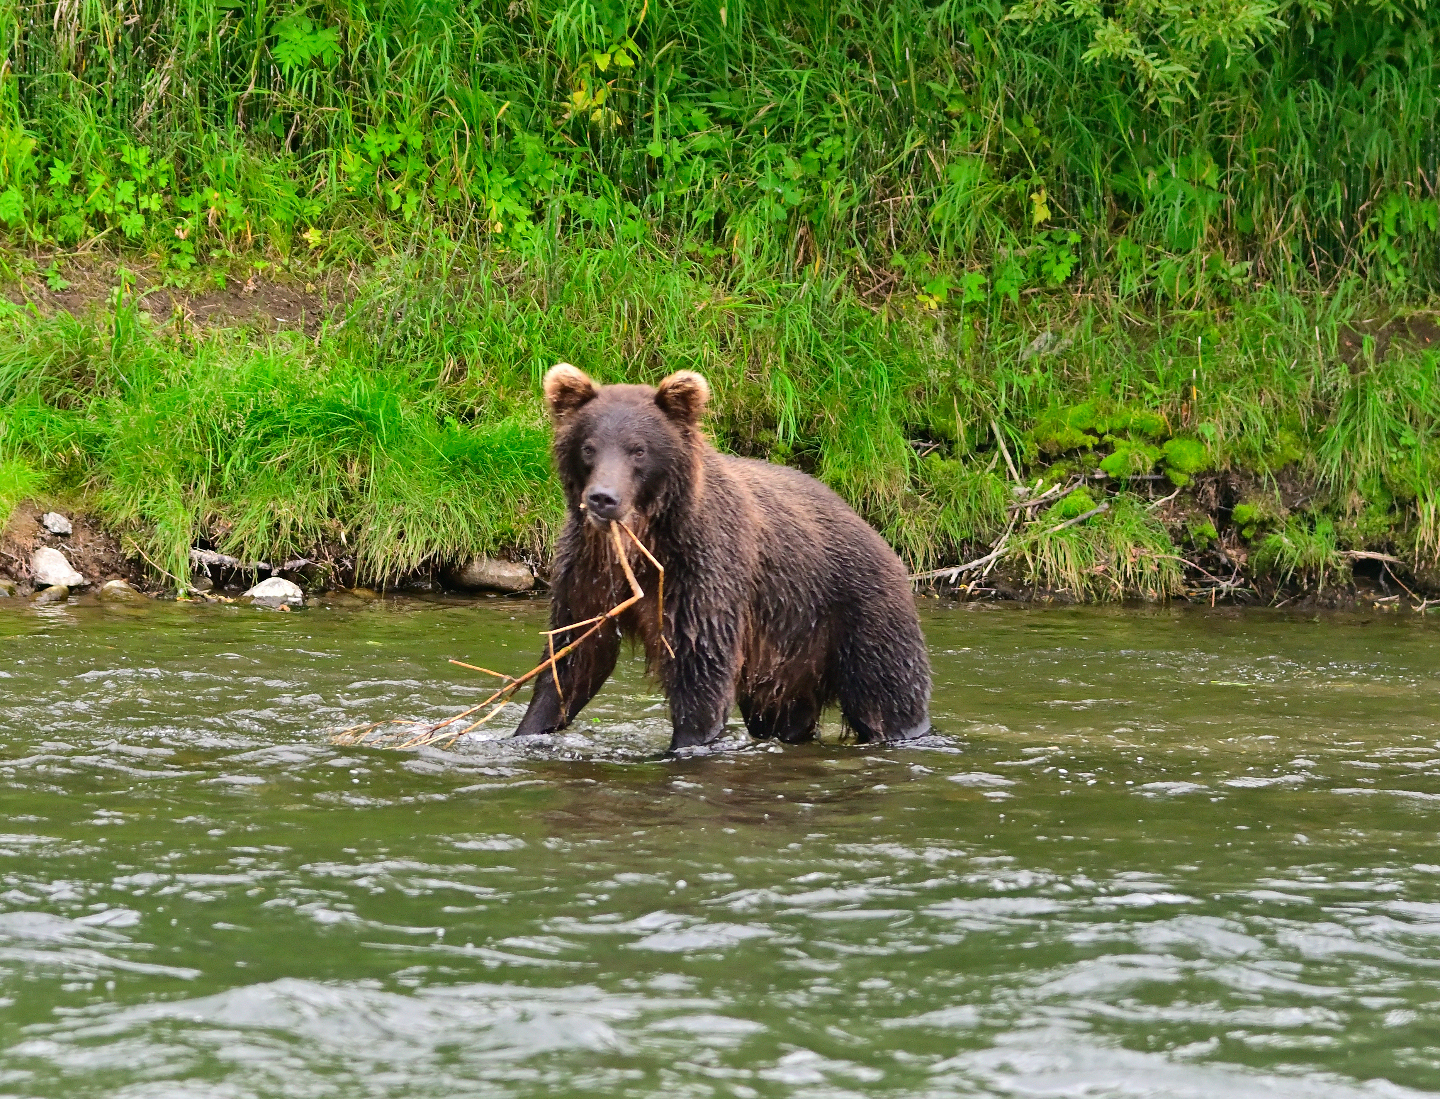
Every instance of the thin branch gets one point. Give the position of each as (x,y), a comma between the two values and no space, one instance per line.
(660,585)
(956,570)
(501,697)
(1078,519)
(477,668)
(1367,555)
(1000,439)
(1162,500)
(1049,493)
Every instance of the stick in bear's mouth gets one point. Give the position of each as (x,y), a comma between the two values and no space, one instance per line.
(432,734)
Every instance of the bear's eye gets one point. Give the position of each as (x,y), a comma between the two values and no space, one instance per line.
(587,452)
(637,452)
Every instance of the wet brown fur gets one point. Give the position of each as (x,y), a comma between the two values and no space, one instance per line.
(777,595)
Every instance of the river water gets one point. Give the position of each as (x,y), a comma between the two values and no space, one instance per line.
(1164,853)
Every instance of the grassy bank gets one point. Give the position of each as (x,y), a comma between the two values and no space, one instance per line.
(1177,266)
(408,431)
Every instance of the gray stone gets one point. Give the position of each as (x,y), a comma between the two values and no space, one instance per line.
(56,523)
(49,567)
(275,592)
(488,574)
(55,593)
(117,591)
(7,589)
(1047,343)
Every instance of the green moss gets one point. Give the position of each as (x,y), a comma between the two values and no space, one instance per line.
(1061,430)
(1201,533)
(1254,516)
(1183,459)
(1130,459)
(1150,424)
(1076,503)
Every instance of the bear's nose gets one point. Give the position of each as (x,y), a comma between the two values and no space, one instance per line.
(602,503)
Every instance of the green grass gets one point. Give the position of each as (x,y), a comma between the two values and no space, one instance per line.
(409,430)
(1307,551)
(1123,552)
(887,232)
(930,147)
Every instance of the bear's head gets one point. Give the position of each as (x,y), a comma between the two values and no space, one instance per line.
(625,449)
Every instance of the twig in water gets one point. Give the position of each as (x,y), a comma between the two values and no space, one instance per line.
(477,668)
(500,698)
(1386,566)
(554,671)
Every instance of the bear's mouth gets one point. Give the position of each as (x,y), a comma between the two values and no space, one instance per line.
(602,517)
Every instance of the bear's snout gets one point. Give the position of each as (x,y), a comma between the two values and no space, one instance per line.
(602,503)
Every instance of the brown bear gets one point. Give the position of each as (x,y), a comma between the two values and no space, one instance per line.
(777,595)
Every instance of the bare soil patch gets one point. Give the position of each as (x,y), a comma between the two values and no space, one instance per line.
(274,301)
(1419,330)
(95,553)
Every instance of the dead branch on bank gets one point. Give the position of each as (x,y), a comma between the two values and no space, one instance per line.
(419,735)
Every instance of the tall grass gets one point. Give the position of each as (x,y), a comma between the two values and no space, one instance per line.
(931,147)
(409,430)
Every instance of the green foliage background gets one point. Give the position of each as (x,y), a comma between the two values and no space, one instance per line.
(994,152)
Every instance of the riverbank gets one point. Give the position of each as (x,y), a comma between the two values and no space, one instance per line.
(1155,323)
(383,425)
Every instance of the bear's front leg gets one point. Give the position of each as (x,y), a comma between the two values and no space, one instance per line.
(700,680)
(582,674)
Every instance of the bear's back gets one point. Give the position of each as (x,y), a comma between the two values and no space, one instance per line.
(808,533)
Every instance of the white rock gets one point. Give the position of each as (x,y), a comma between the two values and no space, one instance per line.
(275,592)
(488,574)
(56,523)
(50,567)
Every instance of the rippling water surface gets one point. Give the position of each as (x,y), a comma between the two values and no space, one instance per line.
(1155,854)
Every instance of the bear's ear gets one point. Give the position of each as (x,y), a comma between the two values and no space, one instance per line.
(683,395)
(566,389)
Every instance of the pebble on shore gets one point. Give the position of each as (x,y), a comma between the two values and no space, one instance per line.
(275,592)
(117,591)
(489,574)
(56,523)
(49,567)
